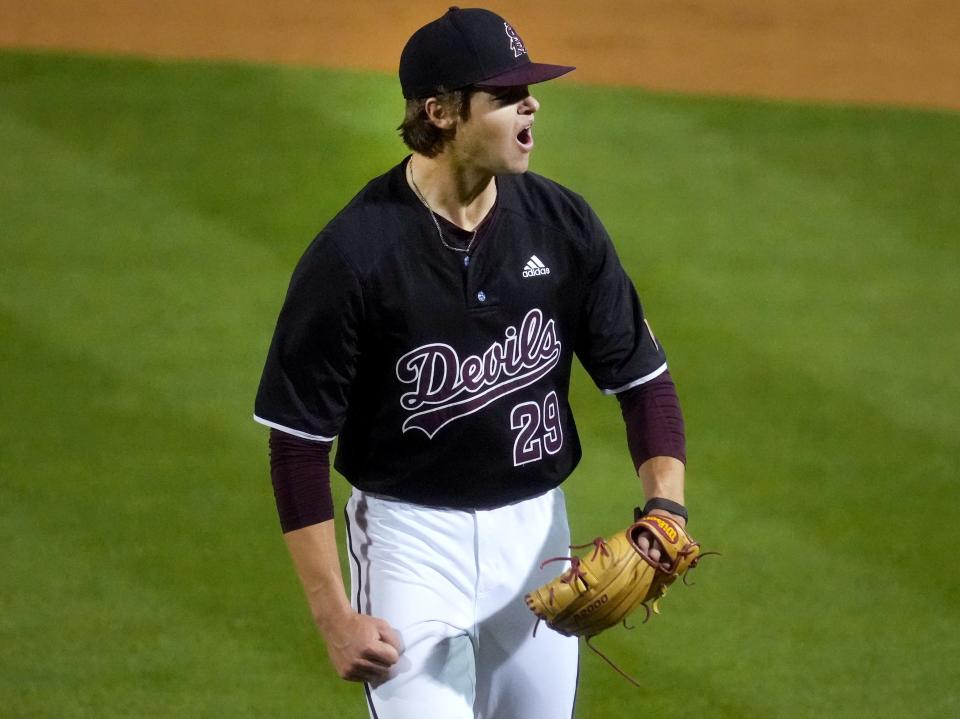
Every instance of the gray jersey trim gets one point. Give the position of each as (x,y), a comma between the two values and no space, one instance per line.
(637,382)
(294,432)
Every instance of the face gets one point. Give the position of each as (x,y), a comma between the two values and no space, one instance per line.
(498,136)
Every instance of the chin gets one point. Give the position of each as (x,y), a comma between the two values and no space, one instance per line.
(508,164)
(518,167)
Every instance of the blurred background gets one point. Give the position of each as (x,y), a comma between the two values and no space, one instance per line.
(781,180)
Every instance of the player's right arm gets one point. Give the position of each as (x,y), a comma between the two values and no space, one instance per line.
(303,399)
(361,647)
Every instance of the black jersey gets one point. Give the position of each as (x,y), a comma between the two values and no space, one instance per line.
(445,376)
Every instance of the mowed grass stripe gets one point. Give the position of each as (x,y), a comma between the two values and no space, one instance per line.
(796,262)
(125,556)
(137,512)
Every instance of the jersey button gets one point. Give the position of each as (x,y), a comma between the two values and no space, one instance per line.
(482,296)
(466,260)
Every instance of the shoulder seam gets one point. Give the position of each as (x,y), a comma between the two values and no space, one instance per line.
(358,278)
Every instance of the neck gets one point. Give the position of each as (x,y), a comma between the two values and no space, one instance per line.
(461,194)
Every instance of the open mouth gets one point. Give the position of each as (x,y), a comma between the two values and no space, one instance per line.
(525,138)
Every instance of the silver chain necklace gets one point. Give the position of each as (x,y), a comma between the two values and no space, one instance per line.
(436,222)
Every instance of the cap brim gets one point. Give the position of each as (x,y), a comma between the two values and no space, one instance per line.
(527,74)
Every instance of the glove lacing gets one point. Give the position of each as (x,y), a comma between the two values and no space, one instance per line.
(600,548)
(574,572)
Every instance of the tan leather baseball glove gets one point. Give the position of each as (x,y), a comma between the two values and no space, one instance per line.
(604,586)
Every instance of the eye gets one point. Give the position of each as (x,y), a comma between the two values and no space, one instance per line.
(512,95)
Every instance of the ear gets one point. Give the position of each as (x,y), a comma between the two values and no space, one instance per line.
(439,114)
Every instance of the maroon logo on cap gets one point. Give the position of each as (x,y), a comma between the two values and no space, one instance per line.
(516,44)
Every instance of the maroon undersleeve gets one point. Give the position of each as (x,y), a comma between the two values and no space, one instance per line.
(300,471)
(654,421)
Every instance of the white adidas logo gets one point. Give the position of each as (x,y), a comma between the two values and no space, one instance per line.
(535,267)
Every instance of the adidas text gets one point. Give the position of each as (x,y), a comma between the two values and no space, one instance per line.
(527,272)
(535,267)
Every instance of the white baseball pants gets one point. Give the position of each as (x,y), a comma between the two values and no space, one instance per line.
(451,583)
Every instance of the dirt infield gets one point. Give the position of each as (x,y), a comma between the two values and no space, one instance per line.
(887,51)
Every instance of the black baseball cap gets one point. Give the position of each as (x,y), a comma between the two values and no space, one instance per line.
(468,46)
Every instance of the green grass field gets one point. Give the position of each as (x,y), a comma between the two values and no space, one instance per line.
(801,264)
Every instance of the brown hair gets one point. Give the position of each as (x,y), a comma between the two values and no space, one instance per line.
(421,135)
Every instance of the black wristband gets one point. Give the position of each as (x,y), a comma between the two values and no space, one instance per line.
(668,505)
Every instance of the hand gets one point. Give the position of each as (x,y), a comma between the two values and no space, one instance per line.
(363,648)
(648,543)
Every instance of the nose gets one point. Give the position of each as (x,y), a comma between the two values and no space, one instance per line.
(529,105)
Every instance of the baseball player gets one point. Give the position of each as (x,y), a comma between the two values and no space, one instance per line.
(431,327)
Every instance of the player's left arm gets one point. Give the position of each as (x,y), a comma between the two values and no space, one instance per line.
(619,351)
(663,477)
(657,441)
